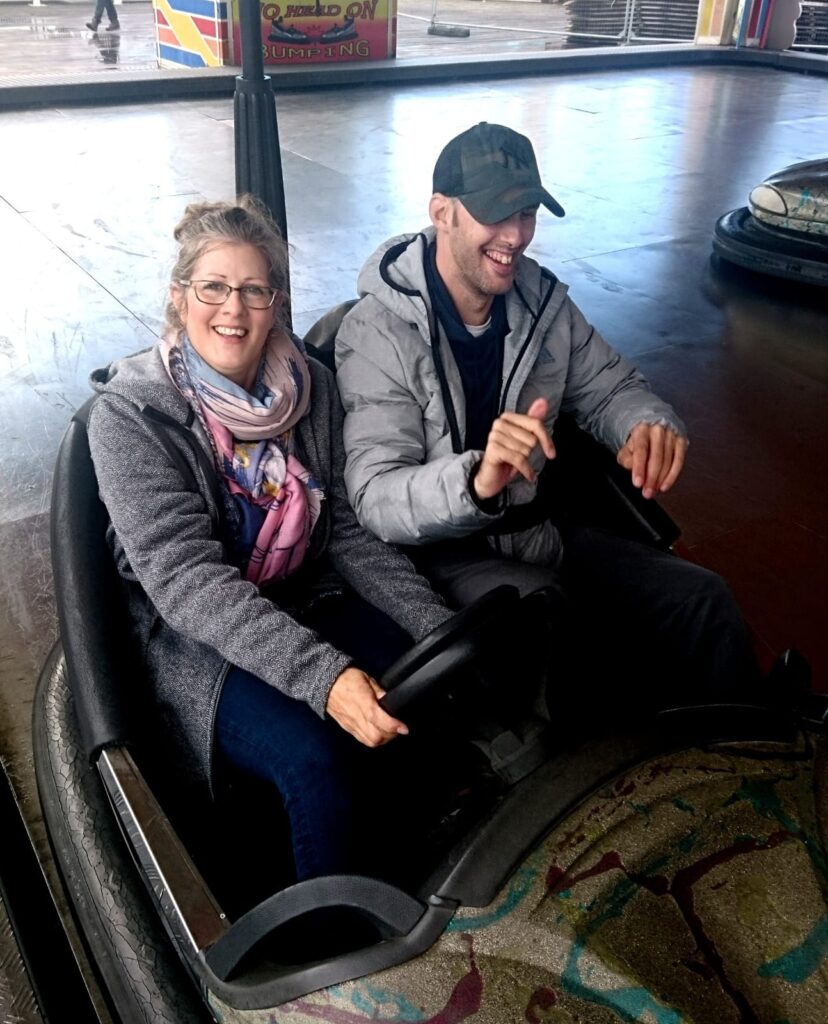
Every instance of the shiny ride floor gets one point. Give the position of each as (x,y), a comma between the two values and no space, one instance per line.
(644,162)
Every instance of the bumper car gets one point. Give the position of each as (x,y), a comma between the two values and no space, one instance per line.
(669,868)
(784,229)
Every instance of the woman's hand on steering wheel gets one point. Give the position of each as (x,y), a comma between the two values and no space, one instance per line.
(353,705)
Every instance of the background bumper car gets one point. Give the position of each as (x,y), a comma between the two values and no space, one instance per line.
(669,868)
(784,229)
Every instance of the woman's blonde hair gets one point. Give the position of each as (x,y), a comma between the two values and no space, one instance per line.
(246,221)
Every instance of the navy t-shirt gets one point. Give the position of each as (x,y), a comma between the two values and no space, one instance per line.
(479,358)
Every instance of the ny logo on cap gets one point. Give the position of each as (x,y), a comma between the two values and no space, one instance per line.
(514,155)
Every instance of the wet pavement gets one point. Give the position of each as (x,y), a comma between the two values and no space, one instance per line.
(643,162)
(52,42)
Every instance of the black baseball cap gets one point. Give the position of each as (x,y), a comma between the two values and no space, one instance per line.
(493,172)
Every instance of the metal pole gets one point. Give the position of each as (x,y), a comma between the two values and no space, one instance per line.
(258,157)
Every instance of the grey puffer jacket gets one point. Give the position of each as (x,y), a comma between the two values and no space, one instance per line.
(407,470)
(193,613)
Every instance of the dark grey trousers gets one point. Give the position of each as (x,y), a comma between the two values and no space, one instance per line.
(619,616)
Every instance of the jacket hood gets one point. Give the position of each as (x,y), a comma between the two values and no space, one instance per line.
(141,378)
(394,275)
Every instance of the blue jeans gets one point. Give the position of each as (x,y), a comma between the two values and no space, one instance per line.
(263,733)
(111,13)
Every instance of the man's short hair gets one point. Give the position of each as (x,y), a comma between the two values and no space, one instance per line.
(492,170)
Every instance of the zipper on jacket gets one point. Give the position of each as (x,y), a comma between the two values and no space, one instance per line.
(529,336)
(451,414)
(498,543)
(437,355)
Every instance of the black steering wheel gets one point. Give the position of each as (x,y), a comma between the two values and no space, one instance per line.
(446,649)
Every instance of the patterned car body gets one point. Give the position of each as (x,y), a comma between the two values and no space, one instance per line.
(692,889)
(795,198)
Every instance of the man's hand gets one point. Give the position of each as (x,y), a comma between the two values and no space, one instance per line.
(353,704)
(512,439)
(655,456)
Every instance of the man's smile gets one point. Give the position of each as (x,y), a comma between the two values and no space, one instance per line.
(504,258)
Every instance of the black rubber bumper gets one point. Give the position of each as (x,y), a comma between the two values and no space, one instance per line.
(743,240)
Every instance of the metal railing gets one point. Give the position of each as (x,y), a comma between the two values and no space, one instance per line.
(591,22)
(812,27)
(633,21)
(625,22)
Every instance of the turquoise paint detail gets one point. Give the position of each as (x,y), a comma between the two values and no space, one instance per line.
(369,998)
(799,963)
(629,1003)
(804,198)
(641,809)
(762,797)
(682,805)
(623,892)
(521,885)
(686,843)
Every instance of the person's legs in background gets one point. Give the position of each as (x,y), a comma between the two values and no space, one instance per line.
(102,6)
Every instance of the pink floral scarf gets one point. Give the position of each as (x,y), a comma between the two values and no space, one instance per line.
(274,501)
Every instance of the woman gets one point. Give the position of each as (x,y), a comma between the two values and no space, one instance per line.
(218,456)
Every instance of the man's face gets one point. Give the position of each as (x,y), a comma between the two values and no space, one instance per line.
(478,261)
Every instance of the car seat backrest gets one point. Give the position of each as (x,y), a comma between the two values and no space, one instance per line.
(90,600)
(321,336)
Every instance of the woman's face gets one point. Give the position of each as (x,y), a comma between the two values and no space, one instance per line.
(230,337)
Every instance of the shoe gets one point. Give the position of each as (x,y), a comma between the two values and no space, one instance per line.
(114,26)
(93,25)
(789,678)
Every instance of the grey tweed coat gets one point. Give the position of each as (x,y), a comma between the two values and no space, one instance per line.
(193,613)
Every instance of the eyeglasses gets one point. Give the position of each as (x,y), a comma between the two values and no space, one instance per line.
(216,293)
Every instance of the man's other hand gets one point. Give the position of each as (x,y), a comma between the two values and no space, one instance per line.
(512,439)
(655,456)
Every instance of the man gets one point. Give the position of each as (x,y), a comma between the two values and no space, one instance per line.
(453,367)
